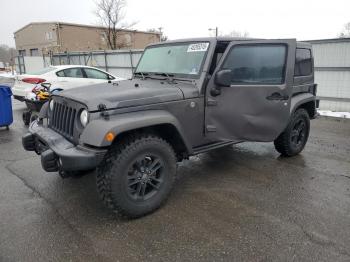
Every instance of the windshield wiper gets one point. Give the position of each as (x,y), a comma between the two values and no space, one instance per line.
(172,78)
(145,75)
(183,79)
(165,74)
(142,74)
(169,77)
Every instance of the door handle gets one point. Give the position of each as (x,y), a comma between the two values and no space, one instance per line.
(277,96)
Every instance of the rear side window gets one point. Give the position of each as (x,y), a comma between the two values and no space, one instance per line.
(256,64)
(71,72)
(96,74)
(60,73)
(303,62)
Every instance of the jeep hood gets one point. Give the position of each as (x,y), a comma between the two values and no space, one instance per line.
(128,93)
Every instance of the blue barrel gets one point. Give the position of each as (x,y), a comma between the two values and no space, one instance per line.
(6,117)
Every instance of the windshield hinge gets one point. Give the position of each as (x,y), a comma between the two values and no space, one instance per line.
(103,108)
(211,128)
(211,102)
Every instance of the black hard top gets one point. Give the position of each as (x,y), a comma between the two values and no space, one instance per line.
(227,39)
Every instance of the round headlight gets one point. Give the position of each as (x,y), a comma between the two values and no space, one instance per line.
(51,105)
(84,117)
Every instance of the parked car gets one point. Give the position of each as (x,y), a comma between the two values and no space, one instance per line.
(186,97)
(63,77)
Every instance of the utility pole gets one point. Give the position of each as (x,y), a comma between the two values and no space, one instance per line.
(161,33)
(216,30)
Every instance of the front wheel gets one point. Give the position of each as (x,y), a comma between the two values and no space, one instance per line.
(293,139)
(137,175)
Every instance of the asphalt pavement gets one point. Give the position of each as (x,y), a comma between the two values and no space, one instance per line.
(241,203)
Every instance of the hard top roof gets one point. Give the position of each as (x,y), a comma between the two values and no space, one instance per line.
(227,39)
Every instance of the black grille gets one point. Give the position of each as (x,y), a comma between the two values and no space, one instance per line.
(63,118)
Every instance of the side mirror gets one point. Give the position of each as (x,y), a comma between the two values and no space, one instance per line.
(223,77)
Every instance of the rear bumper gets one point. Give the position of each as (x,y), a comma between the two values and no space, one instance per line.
(57,153)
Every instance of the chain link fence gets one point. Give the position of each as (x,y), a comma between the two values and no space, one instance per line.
(117,62)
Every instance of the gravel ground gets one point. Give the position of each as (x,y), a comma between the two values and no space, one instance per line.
(242,203)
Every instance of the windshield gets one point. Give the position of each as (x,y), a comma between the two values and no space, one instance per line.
(184,60)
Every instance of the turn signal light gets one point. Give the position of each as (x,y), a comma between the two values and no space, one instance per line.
(109,136)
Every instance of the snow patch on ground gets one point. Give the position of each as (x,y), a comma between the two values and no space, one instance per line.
(334,114)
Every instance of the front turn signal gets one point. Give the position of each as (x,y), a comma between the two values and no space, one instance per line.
(109,136)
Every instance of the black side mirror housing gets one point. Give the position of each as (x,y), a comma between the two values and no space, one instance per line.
(223,77)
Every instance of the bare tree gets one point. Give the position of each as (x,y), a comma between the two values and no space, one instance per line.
(111,14)
(7,54)
(346,31)
(235,33)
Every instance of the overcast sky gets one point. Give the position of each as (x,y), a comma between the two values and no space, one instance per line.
(301,19)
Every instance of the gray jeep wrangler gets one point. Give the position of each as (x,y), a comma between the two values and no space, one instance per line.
(186,97)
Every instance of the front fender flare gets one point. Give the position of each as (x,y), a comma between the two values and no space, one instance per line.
(95,132)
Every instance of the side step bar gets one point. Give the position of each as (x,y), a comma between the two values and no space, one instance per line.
(215,145)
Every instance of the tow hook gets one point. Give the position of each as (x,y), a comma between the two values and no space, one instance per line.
(49,161)
(65,174)
(74,174)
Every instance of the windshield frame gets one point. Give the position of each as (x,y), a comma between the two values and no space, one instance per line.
(178,75)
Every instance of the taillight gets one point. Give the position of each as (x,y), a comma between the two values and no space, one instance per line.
(33,80)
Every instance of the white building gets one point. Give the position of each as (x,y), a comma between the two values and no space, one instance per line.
(332,73)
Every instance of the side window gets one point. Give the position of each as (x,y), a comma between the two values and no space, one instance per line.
(256,64)
(60,73)
(303,62)
(73,72)
(96,74)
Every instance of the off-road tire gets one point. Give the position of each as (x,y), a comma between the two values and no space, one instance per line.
(283,142)
(113,171)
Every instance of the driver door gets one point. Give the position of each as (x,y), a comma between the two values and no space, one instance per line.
(255,103)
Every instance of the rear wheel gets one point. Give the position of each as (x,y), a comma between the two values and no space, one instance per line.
(137,175)
(292,141)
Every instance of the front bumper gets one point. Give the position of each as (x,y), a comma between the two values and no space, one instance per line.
(57,153)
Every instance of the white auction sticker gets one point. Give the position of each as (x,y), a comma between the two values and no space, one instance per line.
(198,47)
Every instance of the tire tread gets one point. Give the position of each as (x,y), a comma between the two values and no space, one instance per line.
(282,143)
(114,157)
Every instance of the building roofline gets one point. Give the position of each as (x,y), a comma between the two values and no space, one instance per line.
(83,25)
(330,40)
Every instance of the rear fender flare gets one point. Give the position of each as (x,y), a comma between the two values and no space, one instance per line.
(300,99)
